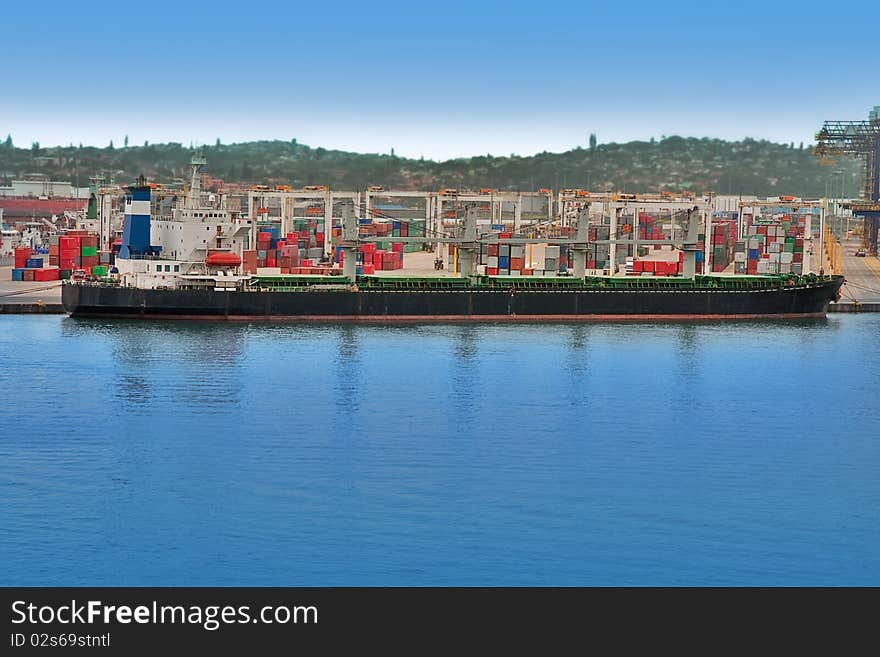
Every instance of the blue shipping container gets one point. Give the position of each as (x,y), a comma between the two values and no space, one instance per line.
(753,254)
(18,274)
(34,263)
(503,262)
(498,227)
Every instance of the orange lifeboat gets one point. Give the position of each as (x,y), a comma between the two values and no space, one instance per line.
(223,259)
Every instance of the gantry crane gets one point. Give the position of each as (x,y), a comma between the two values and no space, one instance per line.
(860,139)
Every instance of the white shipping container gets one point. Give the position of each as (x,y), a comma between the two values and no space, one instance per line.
(786,257)
(739,256)
(492,261)
(516,251)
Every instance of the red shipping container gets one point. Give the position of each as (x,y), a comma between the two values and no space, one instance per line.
(638,267)
(493,250)
(46,274)
(369,269)
(527,272)
(517,263)
(504,236)
(397,247)
(28,275)
(491,271)
(21,254)
(648,265)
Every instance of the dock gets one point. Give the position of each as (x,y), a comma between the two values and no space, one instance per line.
(861,292)
(18,298)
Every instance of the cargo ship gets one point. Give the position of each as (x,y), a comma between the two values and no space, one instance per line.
(172,272)
(483,298)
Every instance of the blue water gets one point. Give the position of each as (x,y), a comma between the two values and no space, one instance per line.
(193,454)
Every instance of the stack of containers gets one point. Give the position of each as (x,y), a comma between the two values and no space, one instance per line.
(503,259)
(386,260)
(20,256)
(367,258)
(772,245)
(89,253)
(658,267)
(69,253)
(288,257)
(264,247)
(723,244)
(27,267)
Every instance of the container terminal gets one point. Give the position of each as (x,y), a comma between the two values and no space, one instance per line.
(279,231)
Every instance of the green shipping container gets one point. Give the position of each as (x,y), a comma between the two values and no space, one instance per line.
(64,274)
(99,270)
(89,251)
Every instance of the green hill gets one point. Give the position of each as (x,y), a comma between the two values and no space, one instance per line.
(673,163)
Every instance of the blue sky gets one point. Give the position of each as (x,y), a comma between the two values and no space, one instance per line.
(432,79)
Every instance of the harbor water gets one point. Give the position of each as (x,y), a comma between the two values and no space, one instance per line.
(604,454)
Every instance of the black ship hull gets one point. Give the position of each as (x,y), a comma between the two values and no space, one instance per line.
(452,305)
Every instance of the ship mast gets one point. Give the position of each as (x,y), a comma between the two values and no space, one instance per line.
(194,198)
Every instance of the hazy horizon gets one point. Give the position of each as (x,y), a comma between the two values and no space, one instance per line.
(440,84)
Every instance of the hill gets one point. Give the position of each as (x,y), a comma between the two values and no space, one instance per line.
(673,163)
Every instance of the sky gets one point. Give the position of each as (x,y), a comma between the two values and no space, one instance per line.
(433,80)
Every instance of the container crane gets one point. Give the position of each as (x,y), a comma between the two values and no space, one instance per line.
(860,139)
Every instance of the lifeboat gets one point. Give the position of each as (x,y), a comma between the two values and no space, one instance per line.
(223,259)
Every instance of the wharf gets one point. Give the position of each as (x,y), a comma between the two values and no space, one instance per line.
(861,292)
(17,298)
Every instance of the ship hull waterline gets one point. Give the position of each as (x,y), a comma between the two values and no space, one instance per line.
(419,306)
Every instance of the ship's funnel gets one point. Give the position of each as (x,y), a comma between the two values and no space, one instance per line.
(136,226)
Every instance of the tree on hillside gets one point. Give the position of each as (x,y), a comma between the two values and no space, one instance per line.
(593,142)
(35,148)
(8,142)
(125,143)
(111,145)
